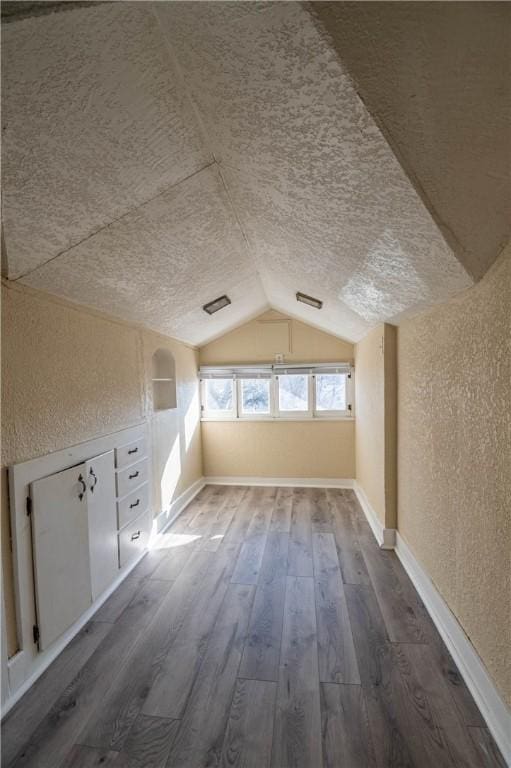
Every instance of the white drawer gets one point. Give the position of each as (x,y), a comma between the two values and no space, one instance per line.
(128,454)
(133,538)
(130,478)
(133,505)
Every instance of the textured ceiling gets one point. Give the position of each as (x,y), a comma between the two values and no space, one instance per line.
(157,155)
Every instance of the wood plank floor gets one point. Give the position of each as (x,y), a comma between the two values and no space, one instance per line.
(269,631)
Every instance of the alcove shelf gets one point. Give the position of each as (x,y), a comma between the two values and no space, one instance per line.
(164,380)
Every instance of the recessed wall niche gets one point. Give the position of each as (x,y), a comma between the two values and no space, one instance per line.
(164,380)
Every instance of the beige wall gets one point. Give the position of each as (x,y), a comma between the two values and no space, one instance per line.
(277,448)
(376,384)
(454,449)
(69,375)
(272,333)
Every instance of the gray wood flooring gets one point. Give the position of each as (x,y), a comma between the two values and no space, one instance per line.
(269,631)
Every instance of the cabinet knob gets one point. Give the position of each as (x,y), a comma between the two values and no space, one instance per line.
(133,450)
(135,535)
(135,504)
(135,474)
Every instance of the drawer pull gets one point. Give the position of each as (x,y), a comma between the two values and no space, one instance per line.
(135,535)
(135,474)
(133,450)
(135,504)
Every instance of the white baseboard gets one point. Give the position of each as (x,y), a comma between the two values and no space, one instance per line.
(478,681)
(298,482)
(162,521)
(386,537)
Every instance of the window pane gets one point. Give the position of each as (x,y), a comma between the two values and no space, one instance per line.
(293,393)
(219,394)
(331,392)
(255,395)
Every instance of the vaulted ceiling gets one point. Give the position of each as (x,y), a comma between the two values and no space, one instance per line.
(158,155)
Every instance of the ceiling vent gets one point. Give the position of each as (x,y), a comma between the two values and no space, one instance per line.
(310,300)
(213,306)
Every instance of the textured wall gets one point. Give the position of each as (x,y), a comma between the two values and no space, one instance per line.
(370,419)
(436,77)
(69,375)
(278,449)
(454,367)
(390,421)
(271,333)
(376,420)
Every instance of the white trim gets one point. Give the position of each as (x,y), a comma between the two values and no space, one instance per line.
(309,419)
(165,518)
(386,537)
(299,482)
(225,415)
(284,415)
(492,707)
(17,664)
(273,374)
(255,416)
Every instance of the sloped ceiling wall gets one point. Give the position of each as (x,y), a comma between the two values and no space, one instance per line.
(157,155)
(436,76)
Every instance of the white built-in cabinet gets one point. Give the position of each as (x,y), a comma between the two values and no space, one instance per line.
(81,518)
(74,539)
(88,522)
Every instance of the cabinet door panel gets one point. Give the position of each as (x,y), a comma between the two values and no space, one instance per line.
(61,551)
(103,547)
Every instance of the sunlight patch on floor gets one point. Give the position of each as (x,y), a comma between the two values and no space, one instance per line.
(172,540)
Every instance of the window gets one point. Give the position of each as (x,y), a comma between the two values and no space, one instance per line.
(330,392)
(277,392)
(218,397)
(255,397)
(293,393)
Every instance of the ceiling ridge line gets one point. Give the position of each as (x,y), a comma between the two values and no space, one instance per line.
(176,66)
(114,221)
(249,247)
(201,123)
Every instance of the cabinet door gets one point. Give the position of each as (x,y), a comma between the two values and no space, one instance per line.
(61,551)
(103,546)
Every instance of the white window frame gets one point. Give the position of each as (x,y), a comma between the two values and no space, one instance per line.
(306,414)
(229,415)
(335,414)
(272,373)
(255,416)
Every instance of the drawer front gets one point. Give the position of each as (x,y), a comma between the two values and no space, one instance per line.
(130,478)
(133,539)
(129,454)
(132,506)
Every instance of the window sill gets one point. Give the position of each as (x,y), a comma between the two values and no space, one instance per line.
(281,420)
